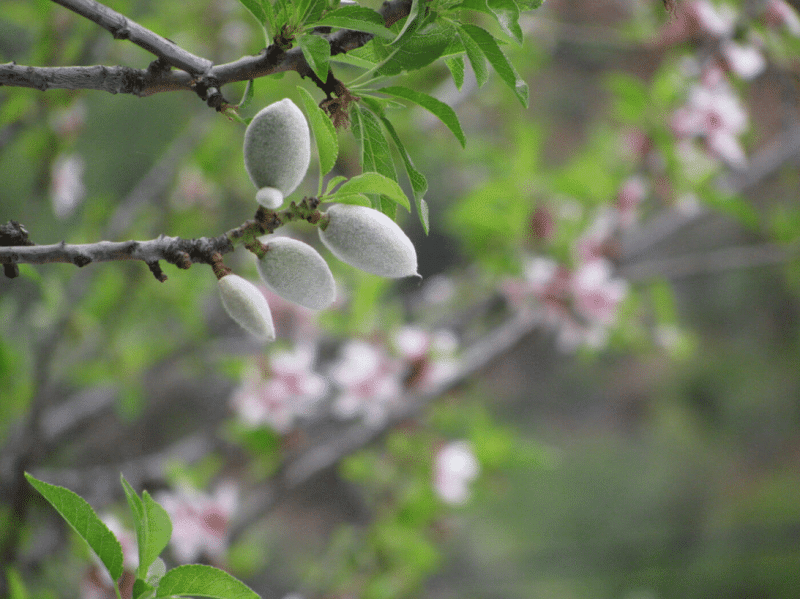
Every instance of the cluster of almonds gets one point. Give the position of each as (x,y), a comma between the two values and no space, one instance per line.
(277,152)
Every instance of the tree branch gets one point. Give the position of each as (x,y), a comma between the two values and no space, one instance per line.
(145,82)
(121,27)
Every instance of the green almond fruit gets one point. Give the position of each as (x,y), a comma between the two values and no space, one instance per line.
(277,151)
(295,271)
(247,306)
(369,240)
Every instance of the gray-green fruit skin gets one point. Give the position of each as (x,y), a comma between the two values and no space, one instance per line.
(295,271)
(247,306)
(277,151)
(369,240)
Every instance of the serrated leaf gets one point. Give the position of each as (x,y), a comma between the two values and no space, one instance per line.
(375,152)
(498,60)
(456,66)
(425,45)
(254,8)
(83,520)
(441,110)
(476,58)
(374,183)
(203,581)
(507,14)
(357,18)
(419,184)
(317,52)
(324,132)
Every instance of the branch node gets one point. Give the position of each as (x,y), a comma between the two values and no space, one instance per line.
(155,268)
(81,260)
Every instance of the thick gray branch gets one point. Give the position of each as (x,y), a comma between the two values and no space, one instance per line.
(121,27)
(181,252)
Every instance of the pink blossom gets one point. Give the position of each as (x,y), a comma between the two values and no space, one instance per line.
(429,356)
(630,195)
(66,184)
(200,522)
(781,13)
(745,60)
(290,390)
(369,382)
(455,467)
(596,294)
(715,21)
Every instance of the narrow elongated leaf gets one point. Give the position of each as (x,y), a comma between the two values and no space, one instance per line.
(507,14)
(153,527)
(357,18)
(498,60)
(476,58)
(324,132)
(333,183)
(254,8)
(375,183)
(441,110)
(248,95)
(317,52)
(413,13)
(83,520)
(456,66)
(198,580)
(375,153)
(419,184)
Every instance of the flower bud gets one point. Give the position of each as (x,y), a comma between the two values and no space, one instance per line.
(277,151)
(295,271)
(247,306)
(369,240)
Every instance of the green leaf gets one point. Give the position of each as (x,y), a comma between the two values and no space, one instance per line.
(358,199)
(324,132)
(247,96)
(417,50)
(357,18)
(374,183)
(375,152)
(413,13)
(507,14)
(333,183)
(254,8)
(310,10)
(446,114)
(498,60)
(317,52)
(203,581)
(83,520)
(153,527)
(419,184)
(456,66)
(476,58)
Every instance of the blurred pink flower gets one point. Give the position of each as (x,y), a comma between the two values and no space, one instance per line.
(200,522)
(745,60)
(596,293)
(455,467)
(290,390)
(630,195)
(716,21)
(66,184)
(369,382)
(430,356)
(781,14)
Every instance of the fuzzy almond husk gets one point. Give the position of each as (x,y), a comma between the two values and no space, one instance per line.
(247,306)
(277,151)
(369,240)
(295,271)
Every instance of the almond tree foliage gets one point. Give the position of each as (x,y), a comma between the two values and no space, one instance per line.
(425,160)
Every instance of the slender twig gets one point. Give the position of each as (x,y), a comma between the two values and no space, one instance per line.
(121,27)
